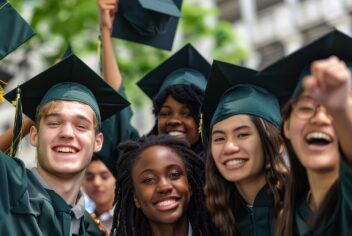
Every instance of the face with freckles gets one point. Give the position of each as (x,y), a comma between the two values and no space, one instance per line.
(161,188)
(311,132)
(65,138)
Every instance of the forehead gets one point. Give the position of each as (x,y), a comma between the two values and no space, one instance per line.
(157,158)
(173,103)
(69,108)
(234,122)
(96,166)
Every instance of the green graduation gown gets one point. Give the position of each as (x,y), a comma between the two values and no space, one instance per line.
(340,222)
(257,220)
(27,208)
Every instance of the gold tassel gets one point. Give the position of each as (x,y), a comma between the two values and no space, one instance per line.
(2,91)
(17,129)
(200,127)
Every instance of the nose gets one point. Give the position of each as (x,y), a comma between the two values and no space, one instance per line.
(67,131)
(97,181)
(174,120)
(231,147)
(164,186)
(321,117)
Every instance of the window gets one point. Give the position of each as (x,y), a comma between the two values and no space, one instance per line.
(270,53)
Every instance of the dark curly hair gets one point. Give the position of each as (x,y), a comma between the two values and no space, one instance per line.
(128,219)
(188,94)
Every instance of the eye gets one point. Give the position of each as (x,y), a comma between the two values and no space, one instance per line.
(149,180)
(218,139)
(164,113)
(242,135)
(187,113)
(175,175)
(53,124)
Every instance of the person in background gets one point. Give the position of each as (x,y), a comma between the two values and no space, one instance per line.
(99,185)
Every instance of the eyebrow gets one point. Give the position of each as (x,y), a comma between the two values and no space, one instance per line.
(80,117)
(239,128)
(168,167)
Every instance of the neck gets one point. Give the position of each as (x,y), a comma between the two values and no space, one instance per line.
(102,208)
(250,189)
(173,229)
(320,183)
(67,188)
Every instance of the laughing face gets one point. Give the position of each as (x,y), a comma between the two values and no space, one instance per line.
(175,119)
(161,187)
(66,138)
(312,135)
(237,150)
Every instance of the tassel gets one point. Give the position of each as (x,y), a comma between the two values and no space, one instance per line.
(2,91)
(200,127)
(17,129)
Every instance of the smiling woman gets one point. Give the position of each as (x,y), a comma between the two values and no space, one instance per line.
(159,189)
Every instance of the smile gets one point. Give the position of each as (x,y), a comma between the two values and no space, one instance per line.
(318,138)
(234,163)
(167,204)
(65,149)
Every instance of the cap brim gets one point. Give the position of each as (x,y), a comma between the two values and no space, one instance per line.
(186,57)
(71,69)
(14,30)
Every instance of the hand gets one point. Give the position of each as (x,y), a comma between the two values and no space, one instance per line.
(107,10)
(329,83)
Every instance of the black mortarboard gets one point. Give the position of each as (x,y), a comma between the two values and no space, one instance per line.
(149,22)
(70,80)
(284,77)
(186,66)
(14,30)
(234,90)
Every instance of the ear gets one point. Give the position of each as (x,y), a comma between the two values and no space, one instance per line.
(287,128)
(99,139)
(136,201)
(33,136)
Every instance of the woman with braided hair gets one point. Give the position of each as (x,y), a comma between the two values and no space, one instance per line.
(159,189)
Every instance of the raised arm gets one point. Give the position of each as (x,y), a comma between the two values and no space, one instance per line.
(111,72)
(330,84)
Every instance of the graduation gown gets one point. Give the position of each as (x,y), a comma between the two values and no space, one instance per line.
(340,222)
(27,208)
(257,220)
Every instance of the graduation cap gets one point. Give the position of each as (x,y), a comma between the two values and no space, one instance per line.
(285,76)
(68,52)
(71,80)
(149,22)
(186,66)
(14,30)
(233,90)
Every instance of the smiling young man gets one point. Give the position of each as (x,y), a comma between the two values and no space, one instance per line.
(68,105)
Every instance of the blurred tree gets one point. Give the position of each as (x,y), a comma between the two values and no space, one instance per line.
(57,22)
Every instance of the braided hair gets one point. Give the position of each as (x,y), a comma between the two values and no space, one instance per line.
(130,220)
(188,94)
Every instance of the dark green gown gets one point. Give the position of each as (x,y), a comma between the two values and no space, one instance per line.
(27,208)
(340,222)
(257,220)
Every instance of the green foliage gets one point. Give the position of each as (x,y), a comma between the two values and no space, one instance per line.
(57,22)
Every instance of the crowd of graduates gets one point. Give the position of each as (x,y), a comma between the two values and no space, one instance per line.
(233,151)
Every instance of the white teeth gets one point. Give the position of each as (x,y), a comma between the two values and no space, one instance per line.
(166,203)
(318,135)
(65,149)
(234,162)
(175,133)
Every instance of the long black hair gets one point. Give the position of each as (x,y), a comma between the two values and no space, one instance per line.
(128,219)
(188,94)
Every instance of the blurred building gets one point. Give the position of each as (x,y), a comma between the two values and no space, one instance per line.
(274,28)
